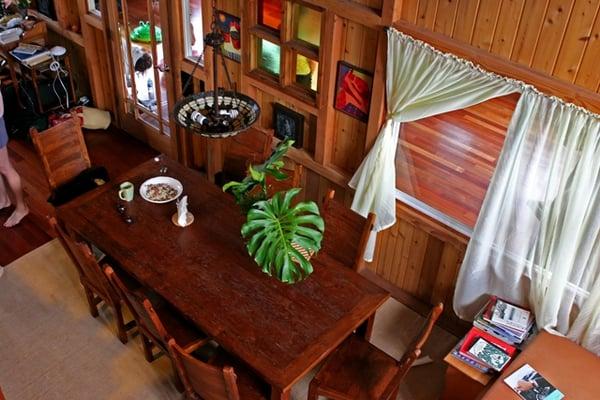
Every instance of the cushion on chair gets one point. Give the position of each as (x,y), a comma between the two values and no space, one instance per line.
(357,370)
(87,180)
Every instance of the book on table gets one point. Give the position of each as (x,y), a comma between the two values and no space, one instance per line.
(487,350)
(500,310)
(531,385)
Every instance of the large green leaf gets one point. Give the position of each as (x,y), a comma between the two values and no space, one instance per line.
(271,228)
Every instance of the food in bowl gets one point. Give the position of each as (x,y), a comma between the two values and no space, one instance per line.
(160,192)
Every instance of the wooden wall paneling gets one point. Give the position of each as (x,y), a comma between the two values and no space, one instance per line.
(378,110)
(466,16)
(351,10)
(427,13)
(67,14)
(350,133)
(333,27)
(588,73)
(446,16)
(509,19)
(551,35)
(409,10)
(486,23)
(546,83)
(528,33)
(576,39)
(391,11)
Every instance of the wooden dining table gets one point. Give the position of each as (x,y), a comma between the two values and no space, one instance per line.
(280,331)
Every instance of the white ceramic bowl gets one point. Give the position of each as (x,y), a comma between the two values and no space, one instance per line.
(174,183)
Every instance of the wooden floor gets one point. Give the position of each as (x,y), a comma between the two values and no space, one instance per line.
(451,157)
(112,149)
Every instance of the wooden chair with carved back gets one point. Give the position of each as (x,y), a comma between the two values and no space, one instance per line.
(217,379)
(358,370)
(356,228)
(62,150)
(94,282)
(157,323)
(294,172)
(250,147)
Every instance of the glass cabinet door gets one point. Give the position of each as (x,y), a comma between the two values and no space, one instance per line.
(193,32)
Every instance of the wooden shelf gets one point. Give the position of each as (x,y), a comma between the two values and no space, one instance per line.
(53,25)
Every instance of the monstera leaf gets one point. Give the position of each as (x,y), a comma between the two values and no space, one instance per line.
(277,233)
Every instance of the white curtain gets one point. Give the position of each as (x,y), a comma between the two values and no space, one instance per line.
(421,82)
(536,239)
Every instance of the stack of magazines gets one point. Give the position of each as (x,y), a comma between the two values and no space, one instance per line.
(492,342)
(505,321)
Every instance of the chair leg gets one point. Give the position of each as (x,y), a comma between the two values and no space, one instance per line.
(121,331)
(176,379)
(92,303)
(147,345)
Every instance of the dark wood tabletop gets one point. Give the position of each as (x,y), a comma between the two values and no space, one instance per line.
(281,331)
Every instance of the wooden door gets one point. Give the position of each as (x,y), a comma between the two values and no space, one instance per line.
(143,70)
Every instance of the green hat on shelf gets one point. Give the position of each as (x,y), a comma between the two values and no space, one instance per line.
(141,33)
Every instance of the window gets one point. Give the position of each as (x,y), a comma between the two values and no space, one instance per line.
(307,25)
(193,34)
(296,47)
(270,57)
(269,13)
(451,157)
(94,7)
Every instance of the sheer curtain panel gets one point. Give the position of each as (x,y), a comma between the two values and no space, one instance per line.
(536,239)
(421,82)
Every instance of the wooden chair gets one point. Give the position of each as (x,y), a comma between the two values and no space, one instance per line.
(157,325)
(95,284)
(251,147)
(356,229)
(360,371)
(207,381)
(294,179)
(62,150)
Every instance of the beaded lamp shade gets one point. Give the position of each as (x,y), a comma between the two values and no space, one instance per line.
(219,113)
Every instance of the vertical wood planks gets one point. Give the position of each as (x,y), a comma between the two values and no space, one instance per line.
(419,257)
(560,38)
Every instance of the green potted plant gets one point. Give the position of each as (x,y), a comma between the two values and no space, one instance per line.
(282,235)
(253,187)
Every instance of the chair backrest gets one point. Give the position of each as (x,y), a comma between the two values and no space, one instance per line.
(89,270)
(201,380)
(414,349)
(141,308)
(62,150)
(253,146)
(355,228)
(294,179)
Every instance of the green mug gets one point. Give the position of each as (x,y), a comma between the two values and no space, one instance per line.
(126,191)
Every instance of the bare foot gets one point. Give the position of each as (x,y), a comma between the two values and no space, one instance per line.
(16,217)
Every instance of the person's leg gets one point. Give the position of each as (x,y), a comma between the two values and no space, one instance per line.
(4,198)
(14,183)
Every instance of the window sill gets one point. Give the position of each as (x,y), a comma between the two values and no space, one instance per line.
(435,214)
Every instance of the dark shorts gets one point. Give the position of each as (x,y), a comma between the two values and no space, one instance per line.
(3,134)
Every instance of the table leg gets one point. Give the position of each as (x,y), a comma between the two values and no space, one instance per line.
(279,394)
(366,329)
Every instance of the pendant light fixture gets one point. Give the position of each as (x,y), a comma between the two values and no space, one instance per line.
(219,113)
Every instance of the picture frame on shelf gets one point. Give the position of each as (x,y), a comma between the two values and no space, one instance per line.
(229,25)
(353,87)
(288,124)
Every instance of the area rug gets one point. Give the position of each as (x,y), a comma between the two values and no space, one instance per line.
(51,348)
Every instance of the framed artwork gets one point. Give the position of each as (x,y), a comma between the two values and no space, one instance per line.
(353,91)
(288,124)
(229,25)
